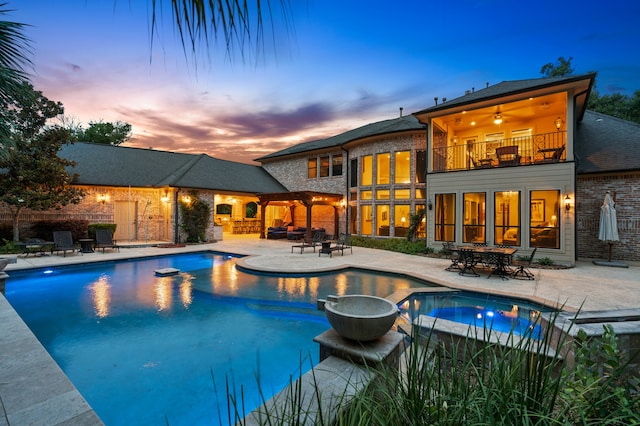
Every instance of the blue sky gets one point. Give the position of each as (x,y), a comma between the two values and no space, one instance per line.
(343,65)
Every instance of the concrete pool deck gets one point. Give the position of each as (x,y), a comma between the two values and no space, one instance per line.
(33,389)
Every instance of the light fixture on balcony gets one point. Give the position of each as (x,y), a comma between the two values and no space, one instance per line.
(558,123)
(497,119)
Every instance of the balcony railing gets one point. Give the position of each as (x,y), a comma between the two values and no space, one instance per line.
(536,149)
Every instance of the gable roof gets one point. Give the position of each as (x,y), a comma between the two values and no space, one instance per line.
(606,144)
(515,87)
(394,125)
(109,165)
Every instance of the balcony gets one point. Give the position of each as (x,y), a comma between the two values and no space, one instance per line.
(535,149)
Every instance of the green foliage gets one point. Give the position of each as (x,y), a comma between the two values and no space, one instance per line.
(595,389)
(545,261)
(195,216)
(94,226)
(31,174)
(44,228)
(616,105)
(559,69)
(104,132)
(399,245)
(414,223)
(8,247)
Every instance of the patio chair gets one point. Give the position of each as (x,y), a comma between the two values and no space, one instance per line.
(522,273)
(508,156)
(469,260)
(104,240)
(343,243)
(451,253)
(315,241)
(63,241)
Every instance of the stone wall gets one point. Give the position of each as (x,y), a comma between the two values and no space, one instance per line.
(591,190)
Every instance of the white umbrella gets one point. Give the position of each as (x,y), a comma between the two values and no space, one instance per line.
(608,222)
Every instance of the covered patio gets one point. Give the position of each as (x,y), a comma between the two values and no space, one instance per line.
(308,199)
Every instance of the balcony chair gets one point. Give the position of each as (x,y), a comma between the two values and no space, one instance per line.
(508,156)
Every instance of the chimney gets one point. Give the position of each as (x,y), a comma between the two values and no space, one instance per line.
(400,112)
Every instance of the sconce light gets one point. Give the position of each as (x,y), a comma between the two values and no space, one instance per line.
(430,204)
(165,197)
(343,203)
(102,198)
(186,199)
(497,119)
(567,203)
(558,123)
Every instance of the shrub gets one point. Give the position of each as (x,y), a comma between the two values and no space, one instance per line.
(195,216)
(400,245)
(545,261)
(95,226)
(44,229)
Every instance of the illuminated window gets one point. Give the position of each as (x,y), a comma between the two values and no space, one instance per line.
(544,225)
(507,218)
(445,217)
(383,170)
(421,166)
(366,178)
(382,194)
(474,223)
(324,166)
(402,194)
(403,167)
(366,195)
(312,168)
(383,218)
(402,218)
(366,217)
(420,193)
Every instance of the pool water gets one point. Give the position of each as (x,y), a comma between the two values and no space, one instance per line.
(151,350)
(496,313)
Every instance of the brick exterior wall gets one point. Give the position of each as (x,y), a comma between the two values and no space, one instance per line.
(590,194)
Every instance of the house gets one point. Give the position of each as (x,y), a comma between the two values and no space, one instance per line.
(521,163)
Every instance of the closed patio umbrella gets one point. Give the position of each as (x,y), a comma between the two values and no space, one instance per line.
(608,222)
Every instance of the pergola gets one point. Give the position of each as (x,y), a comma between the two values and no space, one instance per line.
(308,199)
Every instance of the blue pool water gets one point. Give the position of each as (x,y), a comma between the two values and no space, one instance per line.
(151,350)
(482,310)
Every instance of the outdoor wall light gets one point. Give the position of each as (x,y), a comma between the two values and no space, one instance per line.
(558,123)
(165,197)
(186,199)
(343,203)
(102,198)
(567,203)
(430,204)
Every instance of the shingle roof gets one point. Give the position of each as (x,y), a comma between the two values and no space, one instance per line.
(505,88)
(400,124)
(606,144)
(108,165)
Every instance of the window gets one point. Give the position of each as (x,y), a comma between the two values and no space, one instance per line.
(401,220)
(420,193)
(382,194)
(353,177)
(383,218)
(421,166)
(403,167)
(544,226)
(366,195)
(507,218)
(474,224)
(445,217)
(383,170)
(402,194)
(366,178)
(312,168)
(366,218)
(324,166)
(336,165)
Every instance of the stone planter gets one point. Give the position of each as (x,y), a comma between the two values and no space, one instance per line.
(360,317)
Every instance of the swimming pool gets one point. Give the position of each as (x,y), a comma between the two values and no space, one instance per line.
(144,349)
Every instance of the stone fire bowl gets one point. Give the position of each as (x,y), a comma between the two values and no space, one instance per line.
(360,317)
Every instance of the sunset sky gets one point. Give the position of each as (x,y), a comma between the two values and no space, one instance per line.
(343,64)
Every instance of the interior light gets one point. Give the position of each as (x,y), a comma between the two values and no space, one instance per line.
(497,119)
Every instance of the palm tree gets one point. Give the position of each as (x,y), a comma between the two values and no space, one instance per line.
(14,59)
(239,22)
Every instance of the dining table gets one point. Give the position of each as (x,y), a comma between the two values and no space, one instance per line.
(498,258)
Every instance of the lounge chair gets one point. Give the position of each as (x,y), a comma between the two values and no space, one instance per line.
(344,243)
(315,241)
(63,241)
(104,240)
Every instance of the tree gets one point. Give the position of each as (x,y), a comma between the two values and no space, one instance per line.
(195,215)
(106,133)
(14,51)
(32,175)
(559,69)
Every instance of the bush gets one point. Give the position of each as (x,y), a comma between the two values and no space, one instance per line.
(545,261)
(195,218)
(94,226)
(44,229)
(400,245)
